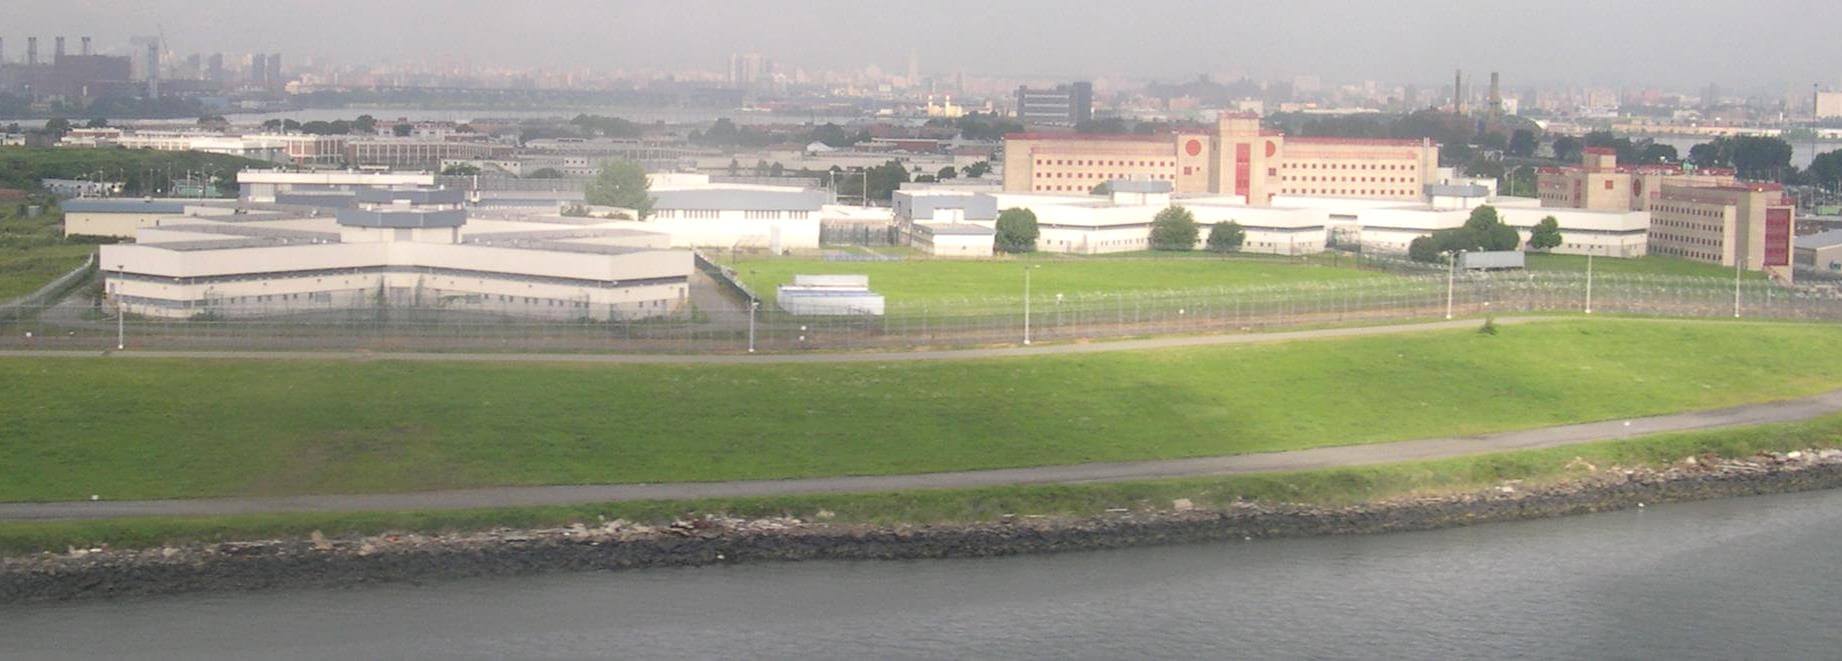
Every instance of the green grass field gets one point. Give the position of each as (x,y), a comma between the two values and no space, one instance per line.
(1334,487)
(152,428)
(924,280)
(1649,265)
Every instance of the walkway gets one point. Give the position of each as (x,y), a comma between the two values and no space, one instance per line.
(1329,457)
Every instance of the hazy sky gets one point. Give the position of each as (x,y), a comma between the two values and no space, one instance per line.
(1774,43)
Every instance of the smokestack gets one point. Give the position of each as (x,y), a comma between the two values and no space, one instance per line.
(2,50)
(1458,91)
(57,49)
(86,46)
(1496,97)
(31,51)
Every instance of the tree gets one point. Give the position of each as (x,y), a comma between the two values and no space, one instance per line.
(545,173)
(1226,237)
(402,130)
(946,173)
(1547,234)
(1825,170)
(1754,157)
(1658,153)
(1102,188)
(365,125)
(1484,230)
(1017,231)
(1174,228)
(57,126)
(1522,143)
(978,169)
(461,170)
(1568,148)
(776,169)
(735,167)
(621,184)
(96,123)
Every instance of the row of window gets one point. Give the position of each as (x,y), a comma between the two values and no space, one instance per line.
(1363,180)
(1703,212)
(1684,238)
(1686,224)
(1143,164)
(1100,175)
(1675,251)
(1349,166)
(1384,192)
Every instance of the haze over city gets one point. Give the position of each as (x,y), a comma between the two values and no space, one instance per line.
(1768,44)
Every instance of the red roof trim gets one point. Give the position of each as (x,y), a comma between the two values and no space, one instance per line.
(1093,137)
(1601,150)
(1329,140)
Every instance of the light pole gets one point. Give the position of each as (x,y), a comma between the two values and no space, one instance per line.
(1450,276)
(1026,302)
(121,313)
(1738,263)
(1589,282)
(752,306)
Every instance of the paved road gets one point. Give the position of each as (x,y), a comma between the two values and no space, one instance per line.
(817,357)
(1330,457)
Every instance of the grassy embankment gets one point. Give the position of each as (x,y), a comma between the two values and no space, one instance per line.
(1322,487)
(930,280)
(152,428)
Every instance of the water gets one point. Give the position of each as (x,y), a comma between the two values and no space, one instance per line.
(1743,578)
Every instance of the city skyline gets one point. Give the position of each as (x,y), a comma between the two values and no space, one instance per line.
(1566,42)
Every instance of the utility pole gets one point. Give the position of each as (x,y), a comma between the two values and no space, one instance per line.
(1450,276)
(121,313)
(1026,303)
(753,304)
(1589,282)
(1739,262)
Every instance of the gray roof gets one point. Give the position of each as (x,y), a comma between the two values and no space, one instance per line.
(121,205)
(719,199)
(412,195)
(401,219)
(977,207)
(968,229)
(1137,186)
(1820,239)
(1457,190)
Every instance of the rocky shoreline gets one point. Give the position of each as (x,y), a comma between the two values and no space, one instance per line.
(320,562)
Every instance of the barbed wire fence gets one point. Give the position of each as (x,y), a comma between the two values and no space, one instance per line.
(86,322)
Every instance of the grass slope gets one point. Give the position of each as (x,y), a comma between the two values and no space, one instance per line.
(1323,487)
(174,429)
(919,281)
(24,270)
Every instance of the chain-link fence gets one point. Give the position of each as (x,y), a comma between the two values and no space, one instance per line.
(84,320)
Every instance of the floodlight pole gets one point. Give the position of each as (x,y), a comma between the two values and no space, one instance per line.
(1738,263)
(1589,282)
(1450,276)
(121,313)
(1026,305)
(753,305)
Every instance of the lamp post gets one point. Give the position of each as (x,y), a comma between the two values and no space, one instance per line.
(1738,263)
(1026,302)
(1589,282)
(753,305)
(121,313)
(1450,276)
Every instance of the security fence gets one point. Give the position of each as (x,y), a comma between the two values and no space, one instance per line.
(83,321)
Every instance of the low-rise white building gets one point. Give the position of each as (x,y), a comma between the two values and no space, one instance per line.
(393,248)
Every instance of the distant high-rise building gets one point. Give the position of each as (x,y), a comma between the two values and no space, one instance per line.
(153,69)
(31,51)
(86,47)
(750,71)
(1064,104)
(1496,97)
(274,74)
(259,68)
(914,68)
(57,49)
(214,68)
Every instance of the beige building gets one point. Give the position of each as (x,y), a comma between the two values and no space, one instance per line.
(1237,158)
(1748,224)
(1828,105)
(1599,183)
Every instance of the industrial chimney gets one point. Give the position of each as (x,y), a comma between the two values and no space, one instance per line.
(57,49)
(86,46)
(31,51)
(153,69)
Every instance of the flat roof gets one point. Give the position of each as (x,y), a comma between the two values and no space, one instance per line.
(718,199)
(122,205)
(967,229)
(1820,239)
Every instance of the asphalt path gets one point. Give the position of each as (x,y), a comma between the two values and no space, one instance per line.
(1317,458)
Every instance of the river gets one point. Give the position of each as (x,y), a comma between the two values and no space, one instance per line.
(1748,577)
